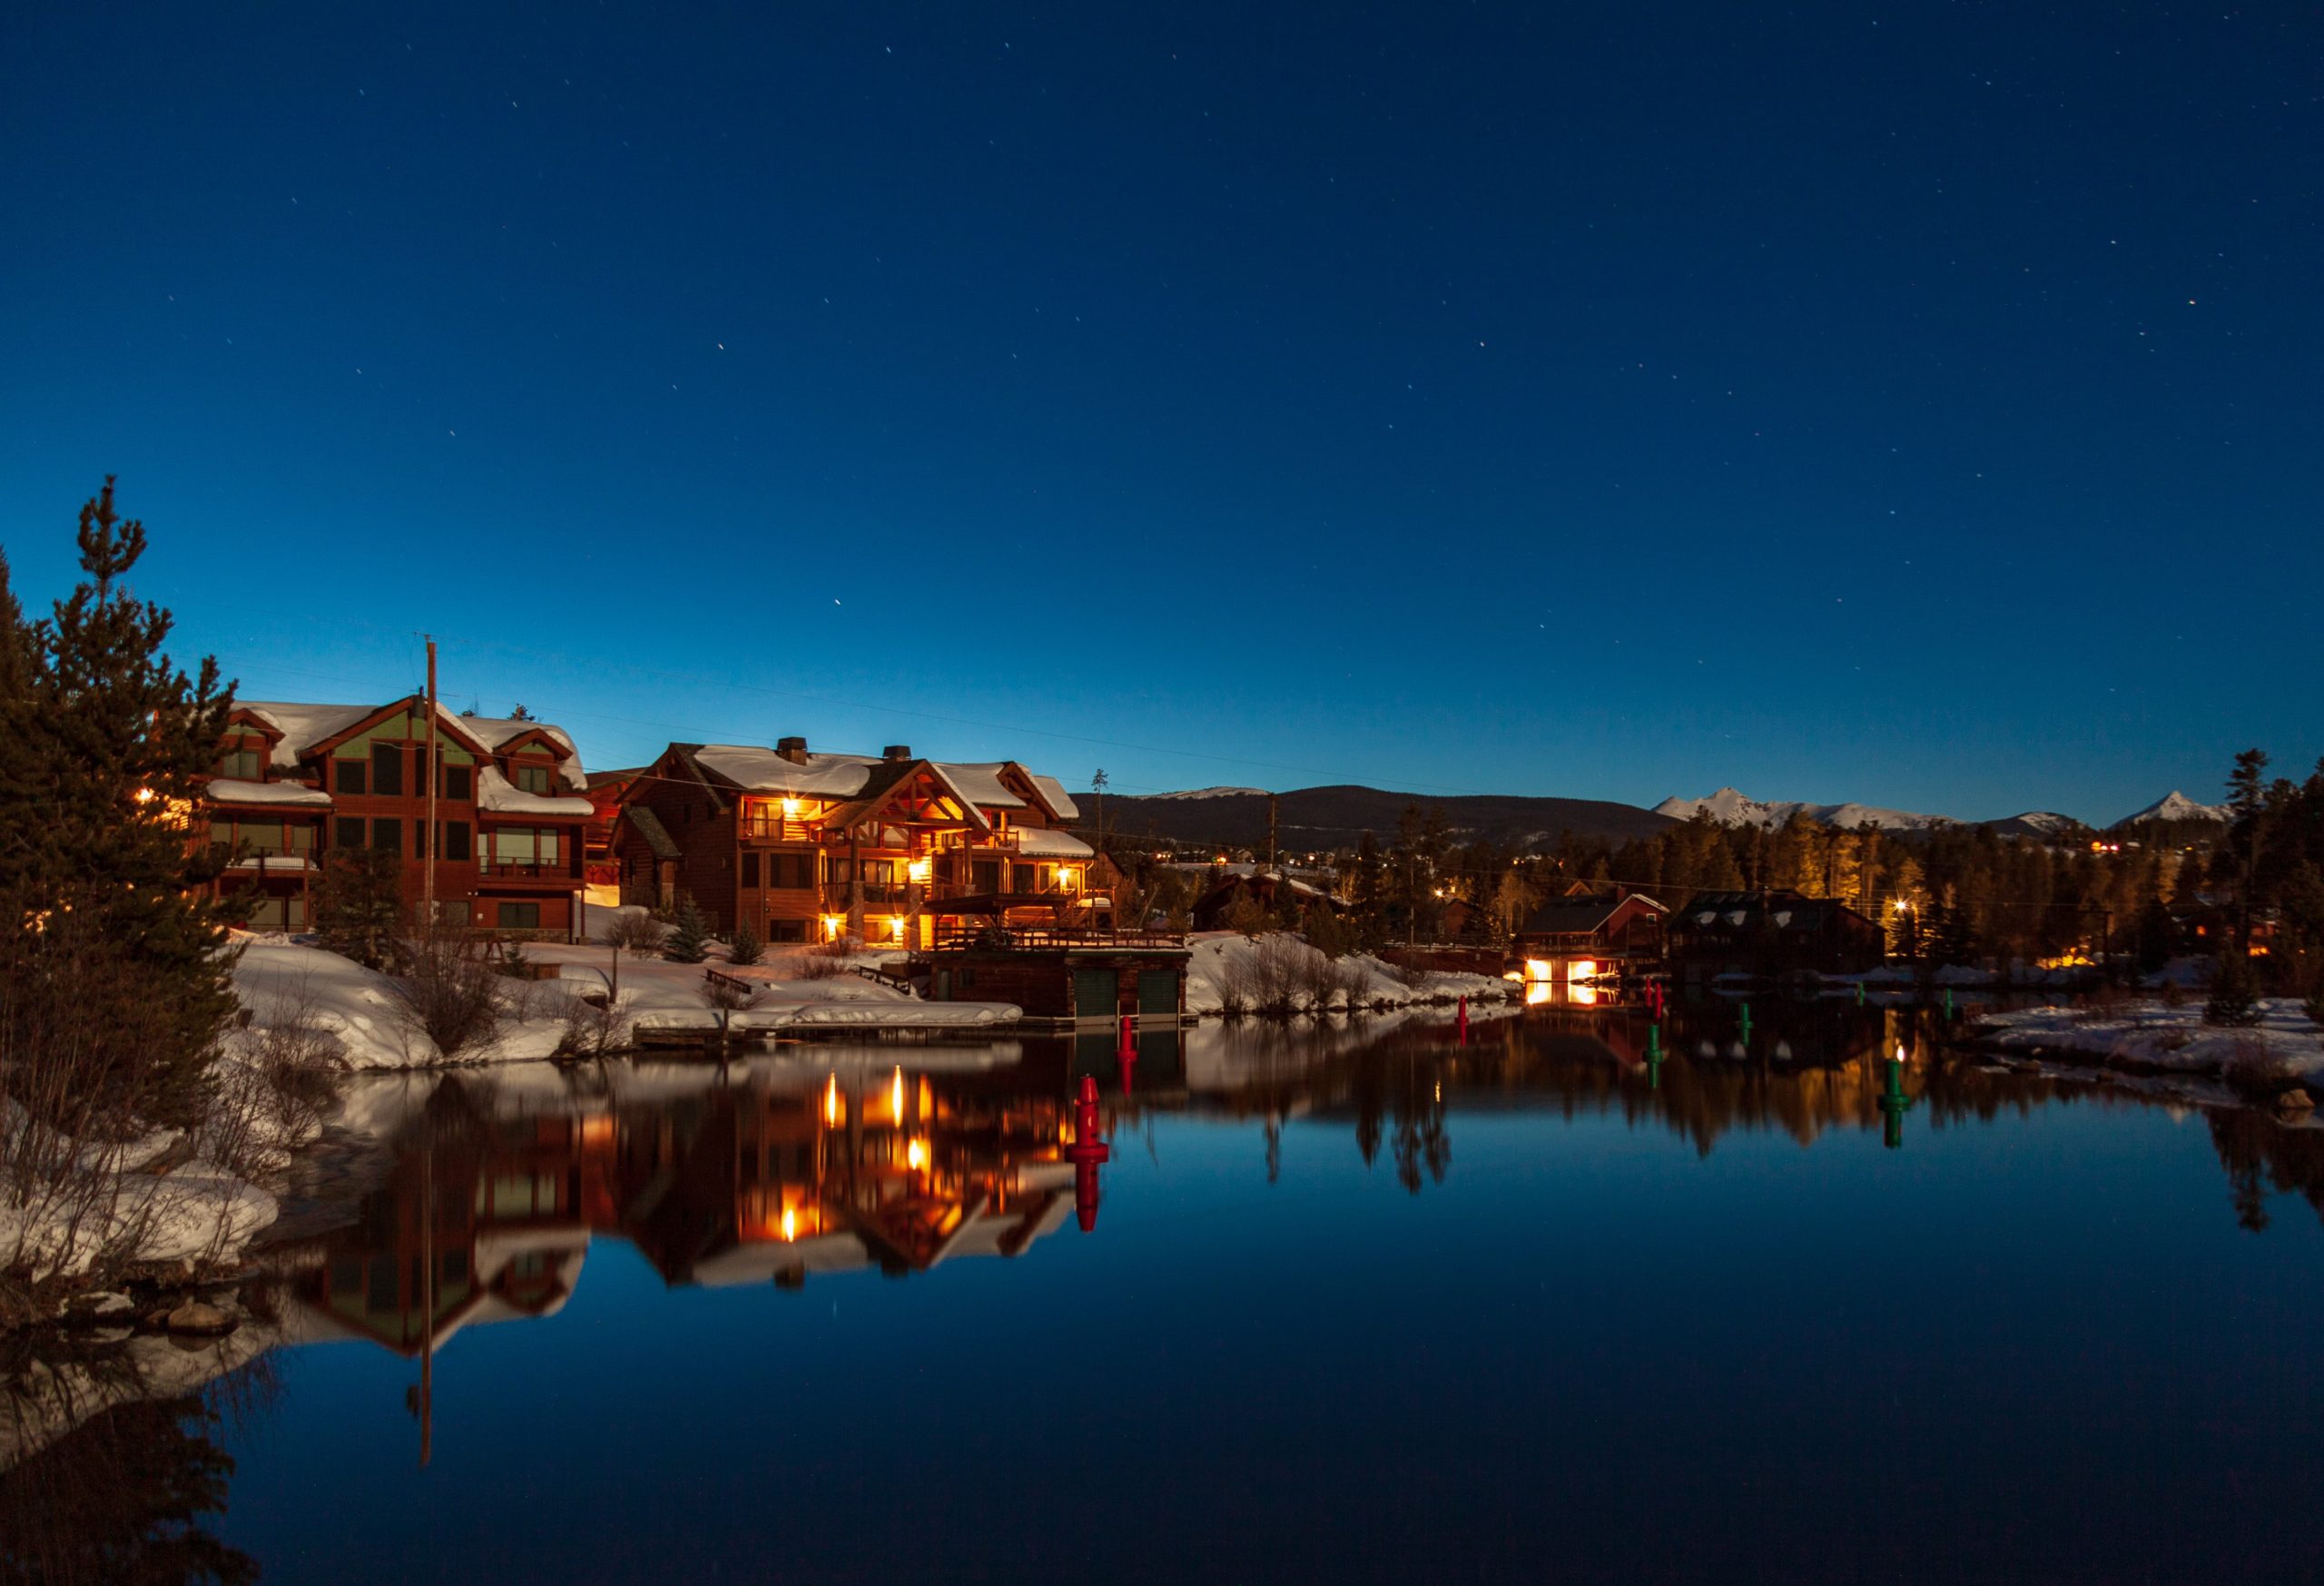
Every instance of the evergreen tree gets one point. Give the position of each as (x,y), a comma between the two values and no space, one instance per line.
(689,938)
(1369,888)
(746,948)
(359,905)
(2234,1000)
(106,739)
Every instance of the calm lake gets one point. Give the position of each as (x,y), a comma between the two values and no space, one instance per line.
(1366,1302)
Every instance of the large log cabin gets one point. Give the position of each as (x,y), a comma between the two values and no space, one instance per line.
(886,848)
(295,783)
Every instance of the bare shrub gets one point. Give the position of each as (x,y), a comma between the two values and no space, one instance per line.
(2255,1071)
(727,996)
(1270,977)
(593,1029)
(640,934)
(451,998)
(274,1091)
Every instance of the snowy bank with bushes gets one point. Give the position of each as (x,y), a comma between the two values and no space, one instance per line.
(2285,1047)
(1278,972)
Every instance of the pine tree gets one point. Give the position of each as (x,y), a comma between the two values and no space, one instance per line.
(105,745)
(746,947)
(359,905)
(2234,1000)
(689,938)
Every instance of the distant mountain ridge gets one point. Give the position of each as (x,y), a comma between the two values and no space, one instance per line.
(1338,817)
(2175,805)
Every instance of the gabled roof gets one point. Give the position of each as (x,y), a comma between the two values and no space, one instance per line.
(882,781)
(497,796)
(1784,908)
(1573,916)
(1053,794)
(649,826)
(300,729)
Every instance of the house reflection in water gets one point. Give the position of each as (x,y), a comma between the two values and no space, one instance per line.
(491,1201)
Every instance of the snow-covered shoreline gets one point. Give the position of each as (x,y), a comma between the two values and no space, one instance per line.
(2146,1035)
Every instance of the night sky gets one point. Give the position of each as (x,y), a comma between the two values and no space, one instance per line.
(1919,405)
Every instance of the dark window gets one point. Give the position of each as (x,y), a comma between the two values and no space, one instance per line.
(387,770)
(387,836)
(1020,878)
(532,779)
(459,782)
(419,769)
(241,762)
(352,779)
(347,831)
(786,931)
(749,870)
(840,870)
(456,841)
(984,875)
(520,916)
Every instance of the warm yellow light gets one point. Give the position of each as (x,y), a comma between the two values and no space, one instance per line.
(831,1102)
(1537,993)
(1066,880)
(896,928)
(1583,996)
(832,925)
(1581,968)
(1539,969)
(790,1225)
(896,1096)
(1901,905)
(919,871)
(791,809)
(916,1155)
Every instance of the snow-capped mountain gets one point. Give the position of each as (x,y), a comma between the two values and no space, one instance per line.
(1730,808)
(1213,792)
(2175,805)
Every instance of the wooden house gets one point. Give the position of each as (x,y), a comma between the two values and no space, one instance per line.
(887,848)
(296,782)
(1579,937)
(1771,932)
(1272,890)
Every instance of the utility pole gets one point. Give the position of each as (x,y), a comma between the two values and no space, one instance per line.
(1270,831)
(427,844)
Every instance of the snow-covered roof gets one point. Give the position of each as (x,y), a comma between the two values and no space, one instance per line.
(1040,843)
(301,726)
(497,796)
(1059,799)
(755,770)
(228,790)
(982,787)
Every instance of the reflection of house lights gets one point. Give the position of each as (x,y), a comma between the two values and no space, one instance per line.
(1581,968)
(1584,996)
(916,1155)
(831,1102)
(790,1225)
(896,1096)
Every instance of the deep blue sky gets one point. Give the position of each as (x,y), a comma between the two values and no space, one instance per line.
(1919,405)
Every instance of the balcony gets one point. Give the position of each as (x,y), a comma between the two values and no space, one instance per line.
(567,869)
(757,827)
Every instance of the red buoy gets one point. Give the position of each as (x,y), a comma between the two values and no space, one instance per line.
(1086,1153)
(1460,1022)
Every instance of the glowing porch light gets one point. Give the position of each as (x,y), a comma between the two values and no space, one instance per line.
(1902,906)
(920,871)
(1539,969)
(1066,880)
(791,809)
(896,928)
(1581,968)
(832,925)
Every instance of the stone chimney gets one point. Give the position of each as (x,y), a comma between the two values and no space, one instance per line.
(896,752)
(794,750)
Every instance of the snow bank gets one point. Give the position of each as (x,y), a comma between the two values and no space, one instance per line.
(1278,969)
(285,985)
(2146,1034)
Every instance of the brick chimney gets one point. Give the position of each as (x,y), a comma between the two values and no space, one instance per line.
(794,750)
(896,752)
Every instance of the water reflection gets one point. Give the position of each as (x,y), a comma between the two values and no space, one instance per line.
(478,1199)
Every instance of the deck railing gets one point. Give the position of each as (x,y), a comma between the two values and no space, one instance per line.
(992,936)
